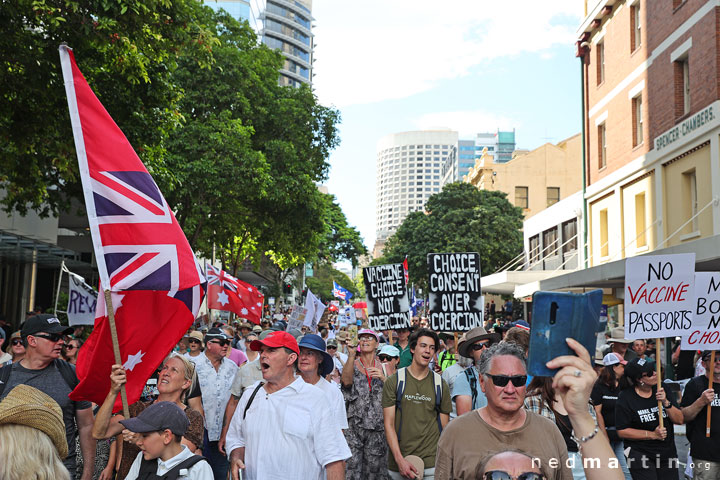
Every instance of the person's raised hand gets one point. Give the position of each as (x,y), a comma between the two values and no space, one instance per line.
(118,378)
(575,379)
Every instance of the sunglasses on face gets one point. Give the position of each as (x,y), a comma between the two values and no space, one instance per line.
(331,347)
(648,375)
(502,380)
(17,341)
(194,340)
(501,475)
(53,337)
(479,346)
(222,343)
(385,358)
(70,346)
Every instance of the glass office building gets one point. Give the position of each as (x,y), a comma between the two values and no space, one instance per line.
(284,25)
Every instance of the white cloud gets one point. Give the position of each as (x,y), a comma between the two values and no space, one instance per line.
(378,50)
(467,123)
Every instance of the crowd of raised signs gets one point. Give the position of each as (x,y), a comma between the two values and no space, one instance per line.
(260,401)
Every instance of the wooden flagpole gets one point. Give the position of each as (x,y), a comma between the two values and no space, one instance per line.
(709,407)
(116,348)
(658,359)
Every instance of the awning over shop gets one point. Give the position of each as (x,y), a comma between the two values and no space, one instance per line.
(26,250)
(612,274)
(504,283)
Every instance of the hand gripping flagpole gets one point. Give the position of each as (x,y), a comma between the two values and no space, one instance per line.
(95,233)
(116,348)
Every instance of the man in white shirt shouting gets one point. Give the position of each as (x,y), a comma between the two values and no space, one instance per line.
(284,414)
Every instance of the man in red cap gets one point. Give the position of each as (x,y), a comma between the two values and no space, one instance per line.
(281,415)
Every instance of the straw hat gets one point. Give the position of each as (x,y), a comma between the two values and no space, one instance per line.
(28,406)
(617,335)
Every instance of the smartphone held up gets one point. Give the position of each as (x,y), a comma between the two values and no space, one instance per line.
(557,316)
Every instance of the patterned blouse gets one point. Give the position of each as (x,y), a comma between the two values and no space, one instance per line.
(363,402)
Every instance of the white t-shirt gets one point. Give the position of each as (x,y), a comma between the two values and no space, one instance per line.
(200,471)
(337,402)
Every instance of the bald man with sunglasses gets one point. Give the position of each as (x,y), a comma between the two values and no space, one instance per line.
(502,424)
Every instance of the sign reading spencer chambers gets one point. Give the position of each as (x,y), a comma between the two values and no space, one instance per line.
(707,115)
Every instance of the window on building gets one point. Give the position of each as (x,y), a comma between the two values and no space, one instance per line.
(682,86)
(602,146)
(600,61)
(521,197)
(635,27)
(534,246)
(553,195)
(569,236)
(637,118)
(604,237)
(691,198)
(550,242)
(640,222)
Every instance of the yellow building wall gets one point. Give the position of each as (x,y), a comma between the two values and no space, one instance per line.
(547,166)
(606,234)
(678,194)
(638,208)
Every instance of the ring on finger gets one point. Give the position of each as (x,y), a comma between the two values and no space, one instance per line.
(577,373)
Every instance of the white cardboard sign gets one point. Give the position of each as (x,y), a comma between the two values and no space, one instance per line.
(704,334)
(659,295)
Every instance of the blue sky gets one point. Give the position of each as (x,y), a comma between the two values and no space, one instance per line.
(474,66)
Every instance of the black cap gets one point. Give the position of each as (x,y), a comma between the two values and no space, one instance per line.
(216,333)
(159,416)
(44,323)
(636,367)
(707,353)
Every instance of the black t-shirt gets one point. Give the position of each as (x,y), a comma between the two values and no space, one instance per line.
(564,425)
(634,411)
(607,398)
(701,447)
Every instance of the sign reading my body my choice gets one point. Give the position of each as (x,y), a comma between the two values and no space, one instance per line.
(454,296)
(388,307)
(704,334)
(659,295)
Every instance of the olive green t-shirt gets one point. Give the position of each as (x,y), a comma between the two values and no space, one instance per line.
(419,434)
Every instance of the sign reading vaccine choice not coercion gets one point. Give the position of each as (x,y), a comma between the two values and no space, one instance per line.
(388,306)
(455,299)
(659,295)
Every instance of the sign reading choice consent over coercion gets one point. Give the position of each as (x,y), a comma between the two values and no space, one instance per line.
(455,299)
(659,295)
(388,306)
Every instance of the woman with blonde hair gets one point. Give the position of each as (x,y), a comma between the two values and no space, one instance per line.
(175,380)
(32,435)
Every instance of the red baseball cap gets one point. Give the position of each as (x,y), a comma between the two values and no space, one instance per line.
(275,340)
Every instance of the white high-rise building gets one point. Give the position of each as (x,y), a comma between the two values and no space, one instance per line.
(408,170)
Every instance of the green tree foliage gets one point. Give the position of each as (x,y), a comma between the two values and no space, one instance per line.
(247,158)
(461,218)
(342,241)
(321,283)
(127,49)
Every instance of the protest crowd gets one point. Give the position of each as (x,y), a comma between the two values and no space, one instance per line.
(271,401)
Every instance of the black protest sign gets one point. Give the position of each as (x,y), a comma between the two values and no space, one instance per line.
(388,307)
(454,291)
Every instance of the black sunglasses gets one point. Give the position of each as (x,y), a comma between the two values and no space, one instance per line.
(331,347)
(53,337)
(385,358)
(502,380)
(69,346)
(479,346)
(502,475)
(194,340)
(222,343)
(17,341)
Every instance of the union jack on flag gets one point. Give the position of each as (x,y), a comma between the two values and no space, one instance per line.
(138,243)
(340,292)
(216,276)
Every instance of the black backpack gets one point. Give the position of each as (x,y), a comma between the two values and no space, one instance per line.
(148,468)
(65,369)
